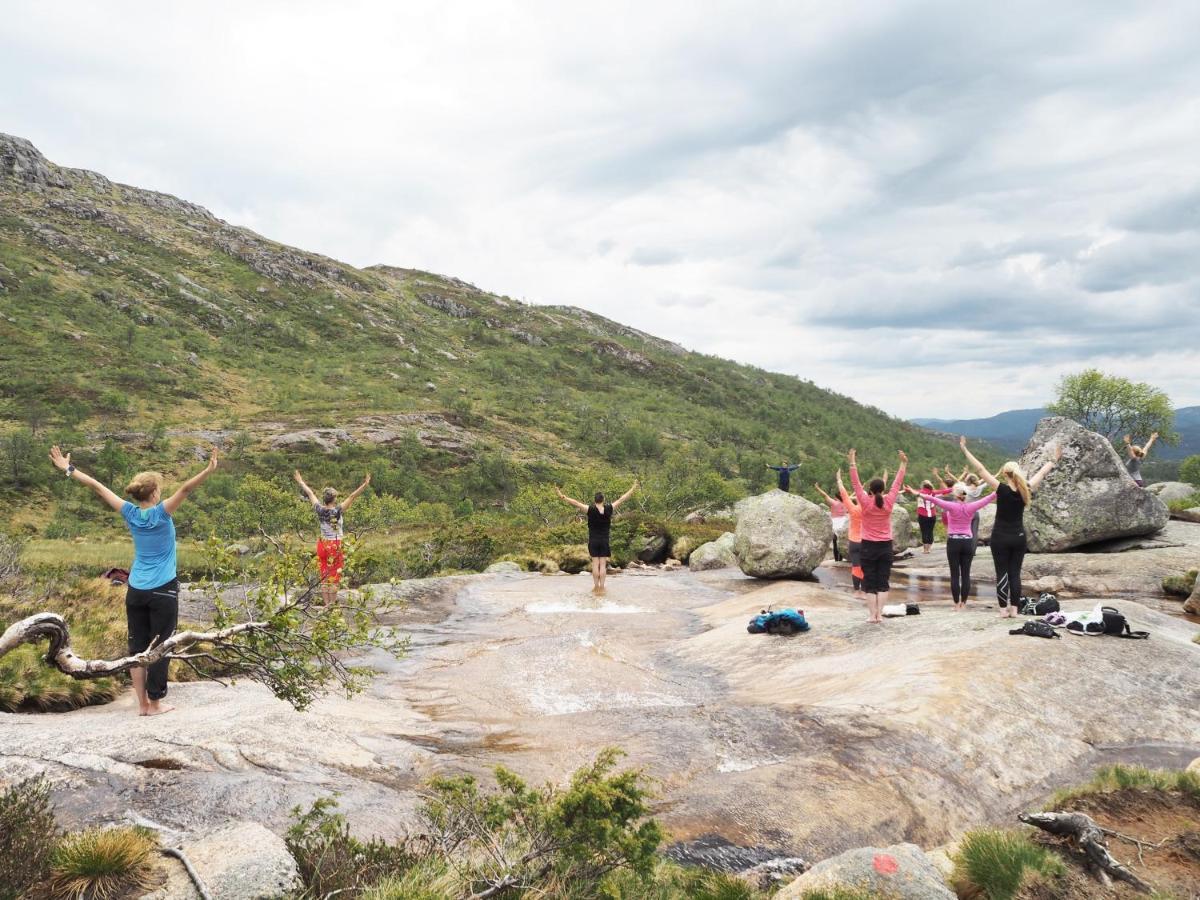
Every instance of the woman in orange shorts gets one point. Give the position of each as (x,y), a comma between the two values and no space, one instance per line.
(330,558)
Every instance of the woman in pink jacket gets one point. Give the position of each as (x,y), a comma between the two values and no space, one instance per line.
(960,541)
(876,534)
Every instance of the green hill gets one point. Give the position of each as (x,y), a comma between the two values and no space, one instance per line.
(136,327)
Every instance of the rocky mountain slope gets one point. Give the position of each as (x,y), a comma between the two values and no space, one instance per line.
(122,309)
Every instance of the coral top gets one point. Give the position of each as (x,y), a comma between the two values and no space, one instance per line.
(855,514)
(876,521)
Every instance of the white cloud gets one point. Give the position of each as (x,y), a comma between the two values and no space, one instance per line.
(809,188)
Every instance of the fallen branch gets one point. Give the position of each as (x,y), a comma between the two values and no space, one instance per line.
(53,627)
(1084,831)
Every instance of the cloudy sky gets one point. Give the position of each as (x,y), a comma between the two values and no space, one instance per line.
(936,208)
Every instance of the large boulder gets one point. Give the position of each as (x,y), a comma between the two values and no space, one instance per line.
(1171,491)
(987,520)
(902,529)
(1088,496)
(901,871)
(716,554)
(781,535)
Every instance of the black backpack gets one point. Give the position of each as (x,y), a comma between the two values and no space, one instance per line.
(912,609)
(1037,629)
(1115,623)
(1044,604)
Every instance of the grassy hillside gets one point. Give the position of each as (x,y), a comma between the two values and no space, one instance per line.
(136,327)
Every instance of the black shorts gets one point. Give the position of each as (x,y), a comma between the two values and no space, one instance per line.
(856,553)
(599,546)
(876,566)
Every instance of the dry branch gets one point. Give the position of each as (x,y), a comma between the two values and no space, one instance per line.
(1089,836)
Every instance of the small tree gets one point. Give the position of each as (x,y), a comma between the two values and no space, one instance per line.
(1189,470)
(18,450)
(1114,406)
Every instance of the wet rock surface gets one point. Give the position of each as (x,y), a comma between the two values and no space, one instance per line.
(848,735)
(1088,496)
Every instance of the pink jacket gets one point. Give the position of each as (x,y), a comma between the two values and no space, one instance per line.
(959,515)
(876,522)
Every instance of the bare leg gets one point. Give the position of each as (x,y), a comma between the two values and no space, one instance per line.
(329,592)
(603,567)
(138,676)
(880,599)
(595,573)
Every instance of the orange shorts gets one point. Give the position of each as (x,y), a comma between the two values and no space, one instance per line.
(330,560)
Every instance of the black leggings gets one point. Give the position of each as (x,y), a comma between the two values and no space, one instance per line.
(960,551)
(837,554)
(876,566)
(856,562)
(927,523)
(1008,553)
(152,614)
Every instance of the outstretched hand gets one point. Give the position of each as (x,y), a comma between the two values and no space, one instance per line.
(299,478)
(61,460)
(1058,451)
(212,459)
(903,457)
(558,491)
(962,441)
(367,479)
(853,457)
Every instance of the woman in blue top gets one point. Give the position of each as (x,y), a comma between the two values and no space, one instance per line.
(152,596)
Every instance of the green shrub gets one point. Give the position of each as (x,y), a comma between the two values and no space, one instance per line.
(331,860)
(101,864)
(1189,470)
(1180,585)
(28,836)
(671,881)
(995,863)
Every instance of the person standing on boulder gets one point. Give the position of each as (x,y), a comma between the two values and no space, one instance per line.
(853,537)
(960,542)
(599,519)
(331,558)
(785,474)
(876,534)
(152,593)
(1008,542)
(1133,465)
(838,517)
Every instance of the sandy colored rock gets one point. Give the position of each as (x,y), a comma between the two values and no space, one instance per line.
(1170,491)
(781,535)
(902,529)
(716,554)
(901,871)
(507,567)
(1192,514)
(1192,603)
(244,861)
(1088,496)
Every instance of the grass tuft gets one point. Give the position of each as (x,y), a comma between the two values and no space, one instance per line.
(101,864)
(994,864)
(1121,777)
(28,836)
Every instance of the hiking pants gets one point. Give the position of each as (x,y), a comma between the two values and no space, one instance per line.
(960,551)
(152,614)
(927,523)
(1008,553)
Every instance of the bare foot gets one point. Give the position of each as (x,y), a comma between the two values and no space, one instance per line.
(157,709)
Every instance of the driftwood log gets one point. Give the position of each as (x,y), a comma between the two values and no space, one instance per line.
(1089,836)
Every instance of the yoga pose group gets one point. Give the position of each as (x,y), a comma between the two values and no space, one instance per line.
(152,591)
(870,527)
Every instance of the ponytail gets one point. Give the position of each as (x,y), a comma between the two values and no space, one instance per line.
(1012,471)
(876,487)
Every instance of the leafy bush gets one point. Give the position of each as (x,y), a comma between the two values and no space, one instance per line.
(101,864)
(671,881)
(1189,470)
(331,860)
(994,863)
(28,836)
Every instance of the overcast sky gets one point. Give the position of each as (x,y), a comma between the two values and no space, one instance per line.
(936,208)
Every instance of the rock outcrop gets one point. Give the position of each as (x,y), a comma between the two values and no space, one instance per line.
(901,871)
(240,861)
(1171,491)
(1088,496)
(781,535)
(506,567)
(902,529)
(1192,603)
(987,520)
(716,554)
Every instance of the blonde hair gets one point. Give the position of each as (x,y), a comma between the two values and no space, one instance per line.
(329,495)
(1138,452)
(972,479)
(1012,471)
(959,488)
(144,485)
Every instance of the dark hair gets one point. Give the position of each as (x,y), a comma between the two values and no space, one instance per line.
(599,496)
(876,488)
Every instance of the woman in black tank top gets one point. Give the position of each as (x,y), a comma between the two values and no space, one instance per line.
(1008,543)
(599,519)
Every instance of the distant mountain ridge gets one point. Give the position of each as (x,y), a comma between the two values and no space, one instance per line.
(1010,430)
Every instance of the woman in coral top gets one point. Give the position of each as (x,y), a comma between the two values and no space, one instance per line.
(876,513)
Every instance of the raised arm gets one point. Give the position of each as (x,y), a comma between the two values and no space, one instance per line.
(859,493)
(821,491)
(979,467)
(899,479)
(1150,443)
(842,489)
(563,497)
(358,490)
(1045,470)
(625,496)
(308,492)
(173,502)
(62,462)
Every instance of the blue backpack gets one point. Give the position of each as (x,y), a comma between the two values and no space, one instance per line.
(780,621)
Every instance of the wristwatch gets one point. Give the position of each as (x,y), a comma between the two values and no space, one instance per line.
(70,470)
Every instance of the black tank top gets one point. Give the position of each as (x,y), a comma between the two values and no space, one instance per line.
(1010,511)
(599,522)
